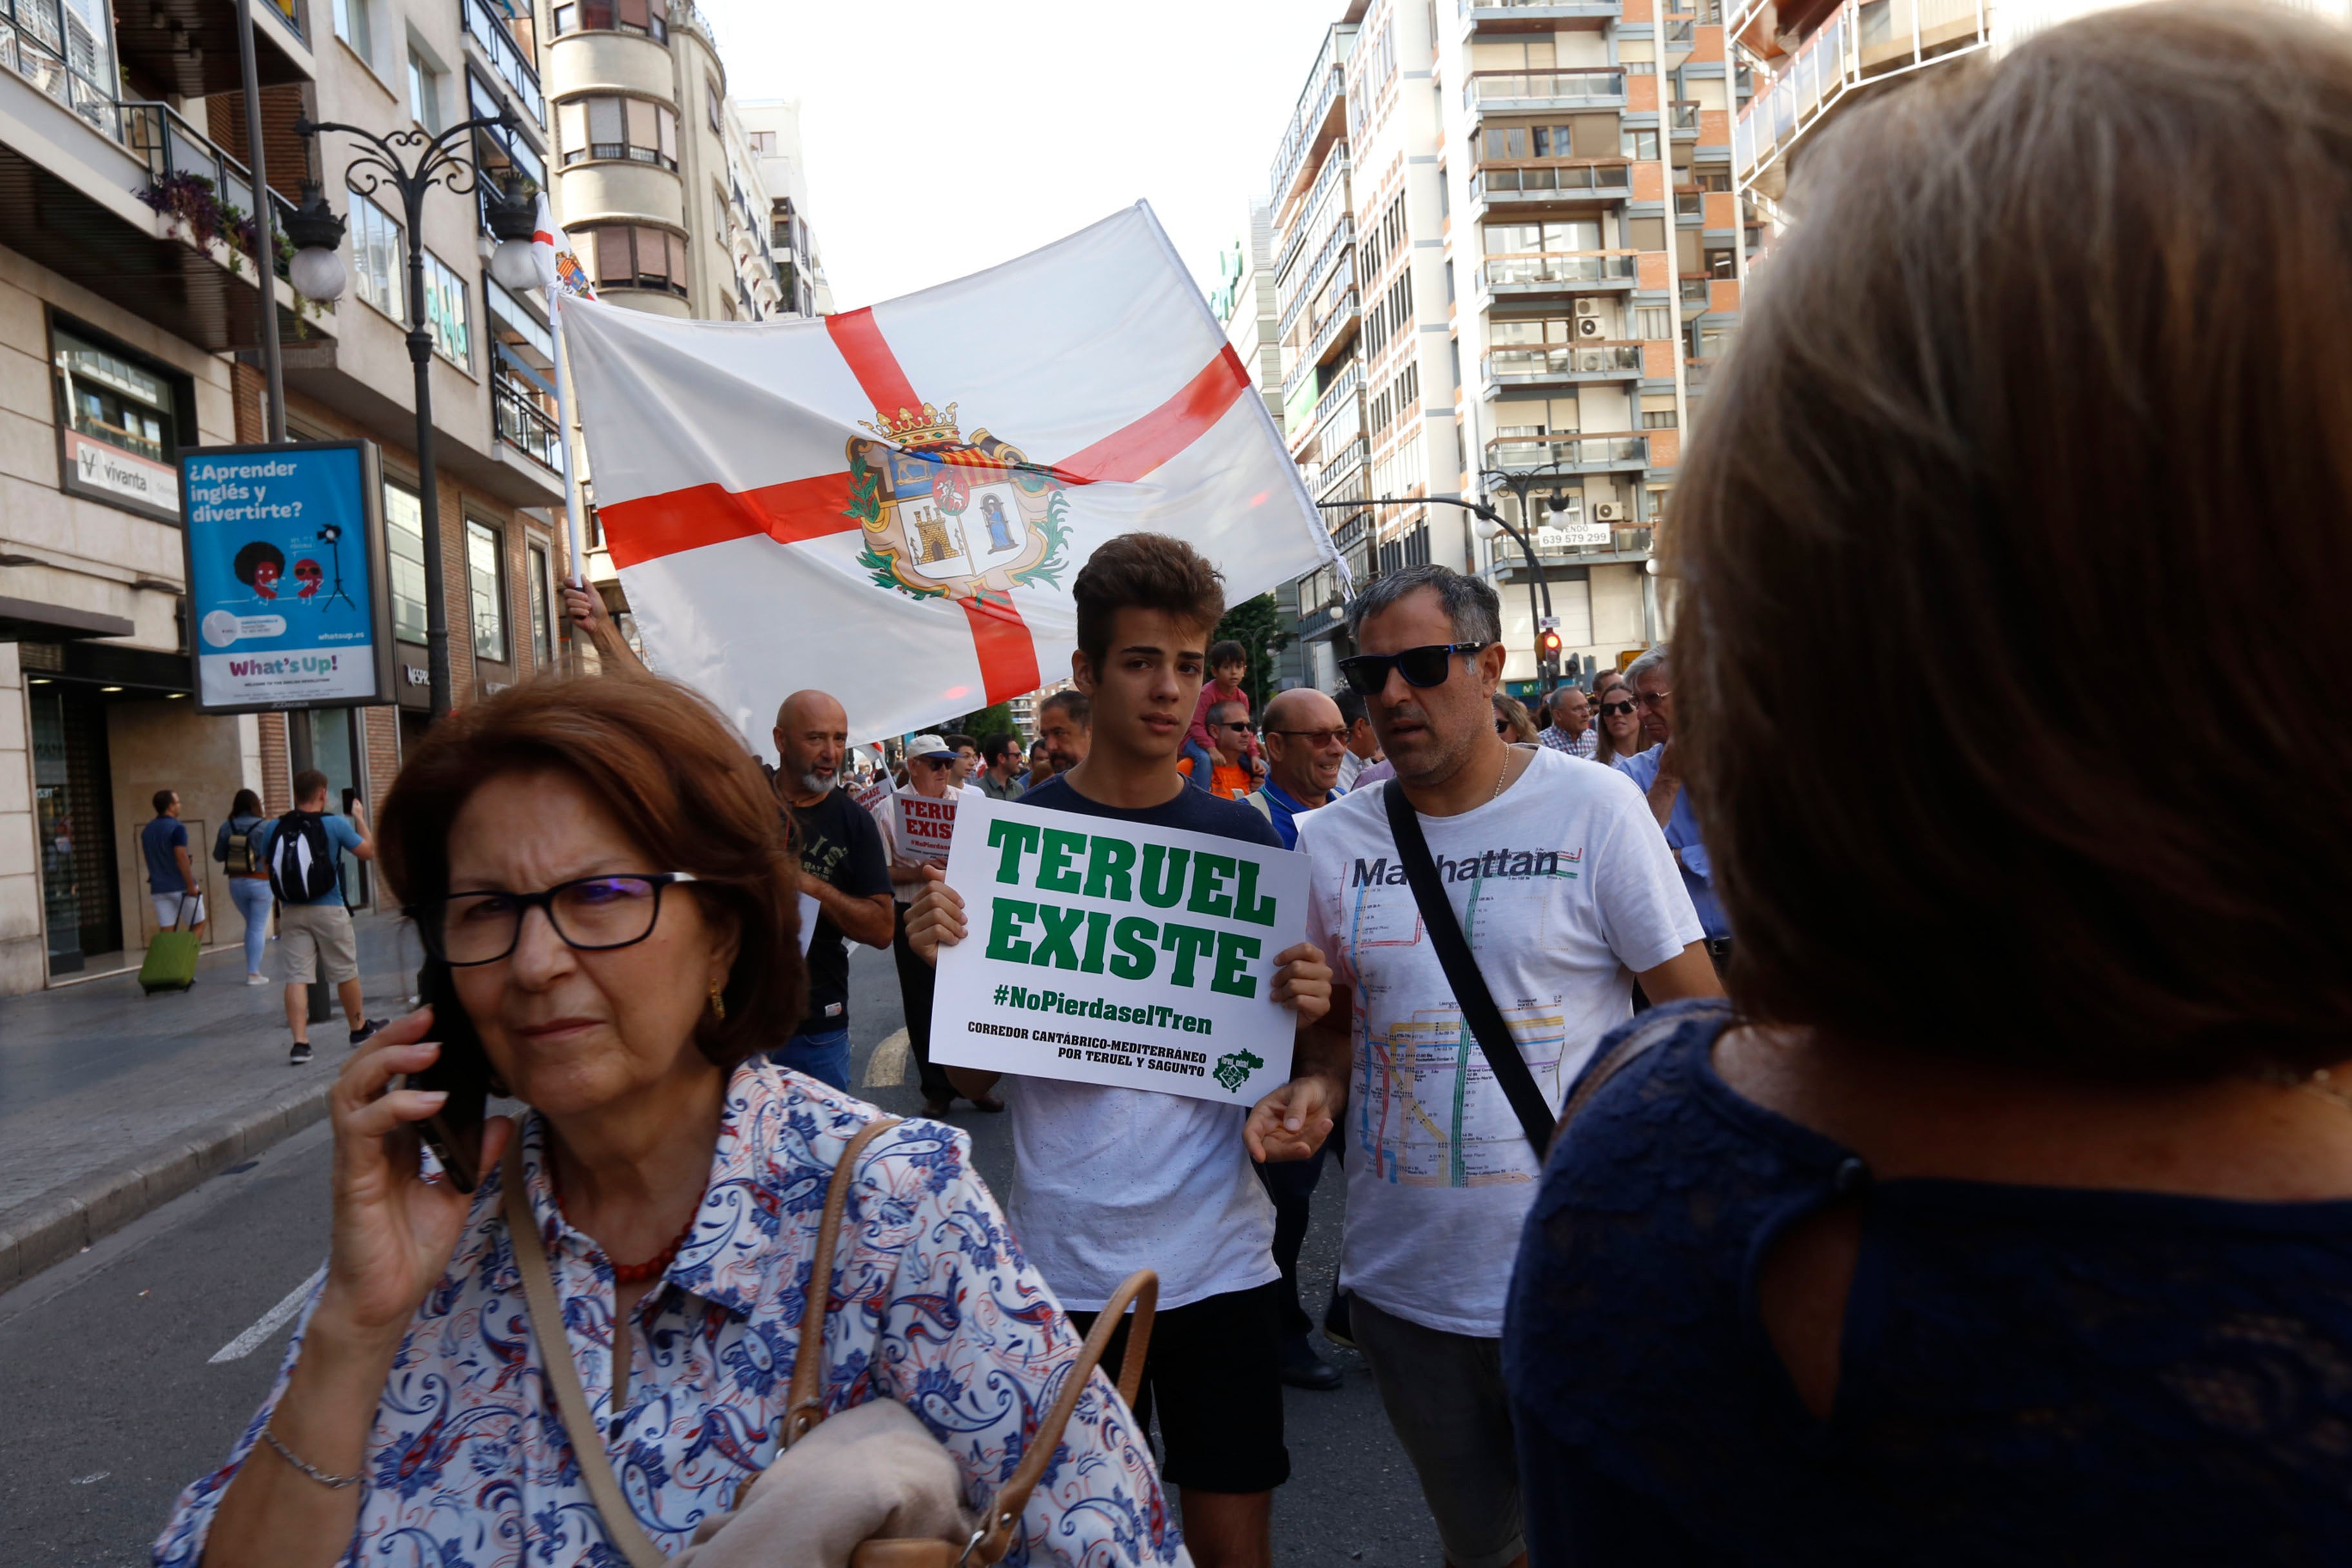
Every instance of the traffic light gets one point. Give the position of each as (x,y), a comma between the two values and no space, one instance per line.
(1548,647)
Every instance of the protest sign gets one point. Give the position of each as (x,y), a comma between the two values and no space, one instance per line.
(1105,952)
(924,827)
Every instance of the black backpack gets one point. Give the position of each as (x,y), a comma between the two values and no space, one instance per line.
(303,859)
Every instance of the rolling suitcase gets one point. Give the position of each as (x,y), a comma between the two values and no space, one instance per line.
(171,963)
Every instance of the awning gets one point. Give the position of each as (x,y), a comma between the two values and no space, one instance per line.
(29,620)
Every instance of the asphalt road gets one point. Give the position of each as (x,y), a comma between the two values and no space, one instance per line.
(115,1403)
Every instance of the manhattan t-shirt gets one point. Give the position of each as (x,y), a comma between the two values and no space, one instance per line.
(1107,1180)
(839,845)
(1563,885)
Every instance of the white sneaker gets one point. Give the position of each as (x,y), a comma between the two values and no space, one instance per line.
(257,980)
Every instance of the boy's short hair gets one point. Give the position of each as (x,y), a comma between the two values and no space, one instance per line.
(1228,651)
(309,785)
(957,742)
(1144,571)
(1081,711)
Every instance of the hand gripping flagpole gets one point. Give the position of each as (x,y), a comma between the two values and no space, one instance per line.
(563,442)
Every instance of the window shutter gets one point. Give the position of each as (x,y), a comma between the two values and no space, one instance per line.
(604,127)
(642,135)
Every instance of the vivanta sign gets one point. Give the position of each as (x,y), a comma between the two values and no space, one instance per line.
(1106,951)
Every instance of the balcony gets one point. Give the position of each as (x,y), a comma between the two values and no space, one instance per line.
(1536,15)
(1300,286)
(1506,187)
(1506,90)
(1335,472)
(1683,118)
(189,47)
(509,60)
(523,425)
(1331,332)
(1571,537)
(1858,45)
(1576,454)
(1564,363)
(1319,117)
(1557,272)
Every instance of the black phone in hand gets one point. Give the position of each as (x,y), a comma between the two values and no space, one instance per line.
(462,1071)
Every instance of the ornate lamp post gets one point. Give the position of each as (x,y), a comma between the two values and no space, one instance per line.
(318,273)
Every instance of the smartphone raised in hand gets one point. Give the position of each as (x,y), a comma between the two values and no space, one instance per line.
(462,1071)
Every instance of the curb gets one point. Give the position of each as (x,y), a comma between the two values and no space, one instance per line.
(35,1234)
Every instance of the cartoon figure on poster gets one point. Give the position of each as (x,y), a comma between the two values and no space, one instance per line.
(259,567)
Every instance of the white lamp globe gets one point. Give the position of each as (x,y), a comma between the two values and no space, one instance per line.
(316,273)
(513,266)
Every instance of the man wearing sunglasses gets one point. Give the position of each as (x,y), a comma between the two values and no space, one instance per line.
(1364,747)
(1230,731)
(1556,876)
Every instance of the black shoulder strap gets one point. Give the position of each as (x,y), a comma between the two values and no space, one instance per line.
(1477,1003)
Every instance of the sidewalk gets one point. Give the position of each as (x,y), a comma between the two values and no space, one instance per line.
(112,1102)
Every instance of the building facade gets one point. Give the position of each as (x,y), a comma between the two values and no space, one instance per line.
(1508,258)
(132,335)
(1244,303)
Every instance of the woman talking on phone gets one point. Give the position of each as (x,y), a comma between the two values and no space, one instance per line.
(597,871)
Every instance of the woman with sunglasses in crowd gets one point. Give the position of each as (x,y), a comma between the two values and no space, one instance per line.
(597,871)
(1618,718)
(1512,723)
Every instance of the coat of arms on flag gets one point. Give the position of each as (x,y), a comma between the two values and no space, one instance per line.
(795,503)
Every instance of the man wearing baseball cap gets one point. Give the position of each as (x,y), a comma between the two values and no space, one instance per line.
(931,767)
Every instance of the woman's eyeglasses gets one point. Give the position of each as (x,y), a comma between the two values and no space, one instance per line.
(1617,708)
(1423,667)
(594,914)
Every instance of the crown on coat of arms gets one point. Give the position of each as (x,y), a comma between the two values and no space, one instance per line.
(930,428)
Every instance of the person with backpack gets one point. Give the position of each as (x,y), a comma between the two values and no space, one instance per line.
(248,878)
(303,852)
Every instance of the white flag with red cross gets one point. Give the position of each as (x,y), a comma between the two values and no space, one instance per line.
(890,504)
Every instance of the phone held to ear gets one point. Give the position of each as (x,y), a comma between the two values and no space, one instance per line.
(462,1071)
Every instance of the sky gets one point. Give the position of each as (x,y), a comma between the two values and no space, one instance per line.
(941,138)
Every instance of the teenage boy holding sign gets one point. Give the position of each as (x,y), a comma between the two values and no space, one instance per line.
(1110,1180)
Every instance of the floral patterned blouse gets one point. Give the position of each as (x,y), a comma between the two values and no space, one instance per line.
(935,1307)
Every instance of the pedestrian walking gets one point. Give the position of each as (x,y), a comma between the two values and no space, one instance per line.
(931,765)
(1000,778)
(1659,772)
(1066,729)
(171,874)
(2010,1219)
(639,954)
(248,876)
(1570,726)
(1363,746)
(843,867)
(303,851)
(1619,734)
(1503,894)
(1108,1180)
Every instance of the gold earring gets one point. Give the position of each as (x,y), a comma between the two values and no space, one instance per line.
(717,1005)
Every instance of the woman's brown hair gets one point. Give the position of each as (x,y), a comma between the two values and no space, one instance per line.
(2037,443)
(676,779)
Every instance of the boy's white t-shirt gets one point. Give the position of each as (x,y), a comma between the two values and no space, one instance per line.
(1564,886)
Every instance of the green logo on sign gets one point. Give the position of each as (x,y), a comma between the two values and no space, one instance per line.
(1232,1071)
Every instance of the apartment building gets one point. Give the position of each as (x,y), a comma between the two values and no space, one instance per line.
(773,126)
(1245,304)
(132,333)
(1536,201)
(661,184)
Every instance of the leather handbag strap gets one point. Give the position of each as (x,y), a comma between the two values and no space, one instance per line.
(1651,1030)
(562,1374)
(1477,1003)
(804,1407)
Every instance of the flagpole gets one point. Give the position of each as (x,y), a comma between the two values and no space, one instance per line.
(563,442)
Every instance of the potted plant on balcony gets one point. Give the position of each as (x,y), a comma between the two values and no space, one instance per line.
(191,202)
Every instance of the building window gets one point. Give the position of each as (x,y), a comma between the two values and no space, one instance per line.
(634,256)
(714,99)
(120,423)
(1657,418)
(763,143)
(447,315)
(404,529)
(486,586)
(632,128)
(424,93)
(1714,180)
(1653,323)
(650,17)
(1642,146)
(542,620)
(377,257)
(355,26)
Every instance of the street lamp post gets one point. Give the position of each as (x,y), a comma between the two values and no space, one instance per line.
(1485,513)
(438,161)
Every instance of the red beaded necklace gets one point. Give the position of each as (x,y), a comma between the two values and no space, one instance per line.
(653,1267)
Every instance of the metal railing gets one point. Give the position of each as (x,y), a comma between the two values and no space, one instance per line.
(1596,89)
(1563,360)
(1339,468)
(1688,204)
(155,134)
(1334,167)
(1860,41)
(1609,179)
(1695,291)
(1327,329)
(483,23)
(1301,286)
(1314,103)
(1470,8)
(1623,539)
(1561,267)
(523,425)
(1685,118)
(1569,451)
(1329,404)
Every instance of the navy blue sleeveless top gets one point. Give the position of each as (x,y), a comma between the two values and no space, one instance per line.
(2027,1374)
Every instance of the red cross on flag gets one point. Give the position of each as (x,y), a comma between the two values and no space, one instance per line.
(890,504)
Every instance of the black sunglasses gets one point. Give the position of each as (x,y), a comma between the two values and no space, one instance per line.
(1423,667)
(1617,706)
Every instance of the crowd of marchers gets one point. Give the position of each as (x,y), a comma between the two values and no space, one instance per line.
(2000,1212)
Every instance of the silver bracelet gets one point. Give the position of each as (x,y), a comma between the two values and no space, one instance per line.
(333,1483)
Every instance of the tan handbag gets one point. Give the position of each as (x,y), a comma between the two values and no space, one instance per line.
(995,1535)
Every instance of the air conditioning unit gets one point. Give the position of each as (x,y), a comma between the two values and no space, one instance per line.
(1587,306)
(1591,327)
(1591,362)
(1608,512)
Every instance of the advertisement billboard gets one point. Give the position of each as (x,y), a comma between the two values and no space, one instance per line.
(288,598)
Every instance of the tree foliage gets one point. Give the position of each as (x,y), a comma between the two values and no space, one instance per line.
(996,719)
